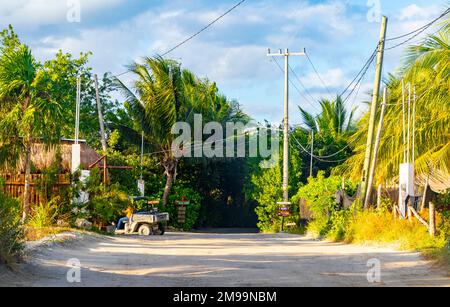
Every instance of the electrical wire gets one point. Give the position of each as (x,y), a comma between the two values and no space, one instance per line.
(421,28)
(317,73)
(193,35)
(361,77)
(417,31)
(203,29)
(323,157)
(294,85)
(301,83)
(368,63)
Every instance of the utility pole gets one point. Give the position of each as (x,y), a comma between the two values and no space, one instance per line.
(286,56)
(77,112)
(373,109)
(312,156)
(375,152)
(102,132)
(100,117)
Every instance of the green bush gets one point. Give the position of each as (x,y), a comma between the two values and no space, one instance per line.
(11,230)
(319,194)
(192,210)
(107,205)
(339,224)
(267,191)
(44,215)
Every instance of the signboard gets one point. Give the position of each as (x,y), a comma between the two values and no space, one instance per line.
(181,215)
(183,202)
(284,211)
(182,209)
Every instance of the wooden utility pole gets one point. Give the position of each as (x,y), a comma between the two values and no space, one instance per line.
(375,151)
(311,174)
(373,109)
(286,56)
(100,117)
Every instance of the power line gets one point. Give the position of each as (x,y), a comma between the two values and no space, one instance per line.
(294,85)
(417,31)
(368,62)
(204,28)
(317,73)
(322,157)
(195,34)
(301,83)
(421,28)
(363,74)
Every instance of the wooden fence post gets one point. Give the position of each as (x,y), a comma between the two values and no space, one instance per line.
(409,212)
(379,198)
(424,199)
(432,220)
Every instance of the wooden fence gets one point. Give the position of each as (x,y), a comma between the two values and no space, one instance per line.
(13,185)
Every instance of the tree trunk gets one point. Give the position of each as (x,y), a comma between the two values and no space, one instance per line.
(432,228)
(27,188)
(170,167)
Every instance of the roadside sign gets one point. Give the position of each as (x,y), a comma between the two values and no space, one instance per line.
(183,202)
(284,203)
(284,214)
(182,209)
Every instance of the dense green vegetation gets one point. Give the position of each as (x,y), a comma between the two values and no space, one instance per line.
(37,101)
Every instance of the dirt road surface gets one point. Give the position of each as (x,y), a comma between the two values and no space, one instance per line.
(218,259)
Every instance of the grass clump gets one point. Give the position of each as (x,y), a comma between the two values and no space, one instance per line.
(11,231)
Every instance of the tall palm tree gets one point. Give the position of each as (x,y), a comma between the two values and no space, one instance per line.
(427,68)
(164,94)
(25,105)
(156,101)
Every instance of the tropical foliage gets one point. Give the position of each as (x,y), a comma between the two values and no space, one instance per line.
(165,94)
(427,70)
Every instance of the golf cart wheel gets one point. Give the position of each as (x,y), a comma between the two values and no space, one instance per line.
(162,229)
(145,230)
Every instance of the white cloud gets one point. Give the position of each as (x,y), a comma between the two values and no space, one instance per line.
(415,12)
(233,51)
(333,78)
(46,12)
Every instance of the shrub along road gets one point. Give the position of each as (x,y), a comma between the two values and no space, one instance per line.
(220,259)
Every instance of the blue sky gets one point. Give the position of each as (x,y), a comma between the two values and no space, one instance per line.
(337,35)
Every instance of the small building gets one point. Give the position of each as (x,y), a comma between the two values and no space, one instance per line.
(43,158)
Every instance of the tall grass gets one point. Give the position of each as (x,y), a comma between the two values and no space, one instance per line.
(11,231)
(379,226)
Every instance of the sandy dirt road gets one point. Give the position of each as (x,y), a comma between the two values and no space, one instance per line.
(209,259)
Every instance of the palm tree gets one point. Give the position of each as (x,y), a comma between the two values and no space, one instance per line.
(164,94)
(427,68)
(156,101)
(334,118)
(25,105)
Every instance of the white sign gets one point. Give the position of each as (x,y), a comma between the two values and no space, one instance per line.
(76,157)
(141,187)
